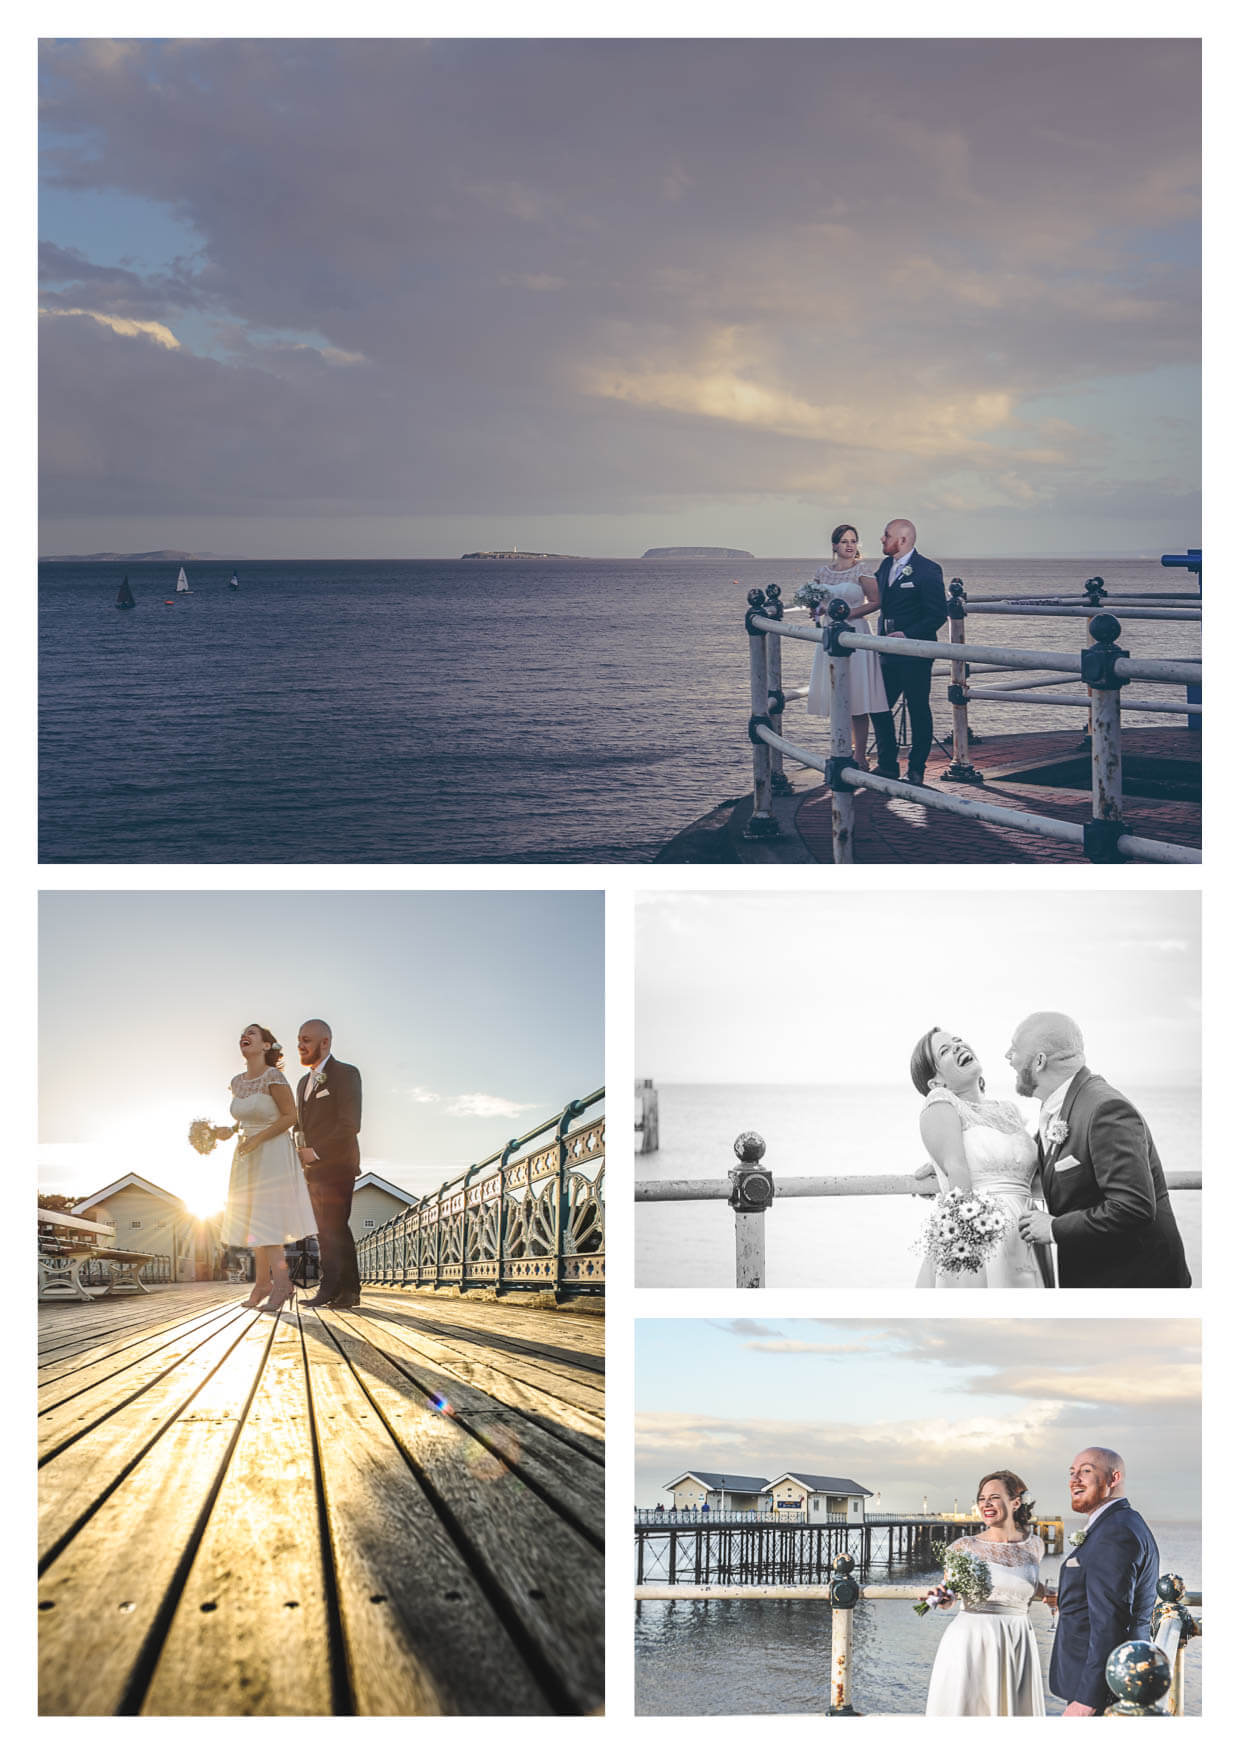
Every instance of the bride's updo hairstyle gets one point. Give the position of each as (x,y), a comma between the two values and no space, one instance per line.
(273,1053)
(923,1069)
(1022,1515)
(839,531)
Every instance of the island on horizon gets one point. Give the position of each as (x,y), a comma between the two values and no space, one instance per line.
(517,554)
(698,554)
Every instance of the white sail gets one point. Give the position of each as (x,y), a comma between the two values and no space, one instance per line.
(232,582)
(182,583)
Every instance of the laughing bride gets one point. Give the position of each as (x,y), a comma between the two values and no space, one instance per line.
(978,1146)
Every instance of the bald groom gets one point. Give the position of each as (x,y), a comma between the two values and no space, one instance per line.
(912,605)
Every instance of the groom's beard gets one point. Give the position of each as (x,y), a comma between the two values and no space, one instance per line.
(1024,1085)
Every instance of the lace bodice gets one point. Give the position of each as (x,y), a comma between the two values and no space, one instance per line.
(844,583)
(253,1105)
(1015,1571)
(1000,1151)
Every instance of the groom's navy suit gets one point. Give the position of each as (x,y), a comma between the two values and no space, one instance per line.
(329,1116)
(911,602)
(1106,1194)
(1106,1591)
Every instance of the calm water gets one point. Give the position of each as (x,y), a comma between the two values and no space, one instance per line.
(344,711)
(722,1658)
(864,1240)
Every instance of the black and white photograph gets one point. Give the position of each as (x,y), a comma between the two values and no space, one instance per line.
(955,1089)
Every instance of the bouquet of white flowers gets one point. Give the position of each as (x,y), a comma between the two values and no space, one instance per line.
(810,595)
(962,1231)
(202,1136)
(966,1577)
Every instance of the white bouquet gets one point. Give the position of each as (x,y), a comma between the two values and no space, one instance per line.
(962,1231)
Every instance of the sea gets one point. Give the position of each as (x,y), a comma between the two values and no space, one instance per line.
(411,711)
(725,1658)
(867,1240)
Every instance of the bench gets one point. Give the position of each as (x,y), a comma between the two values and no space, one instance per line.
(66,1243)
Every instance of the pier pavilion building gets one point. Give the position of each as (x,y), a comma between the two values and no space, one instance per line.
(795,1498)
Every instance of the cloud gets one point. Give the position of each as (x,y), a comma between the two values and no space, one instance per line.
(477,1104)
(157,332)
(418,1093)
(721,277)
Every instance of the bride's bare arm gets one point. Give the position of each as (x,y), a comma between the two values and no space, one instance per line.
(944,1139)
(282,1096)
(870,588)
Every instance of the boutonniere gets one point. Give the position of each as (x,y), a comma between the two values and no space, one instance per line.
(1056,1133)
(1078,1539)
(905,572)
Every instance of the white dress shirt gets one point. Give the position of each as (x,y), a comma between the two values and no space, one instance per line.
(1119,1498)
(1051,1108)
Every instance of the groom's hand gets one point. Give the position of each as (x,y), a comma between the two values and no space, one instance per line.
(308,1155)
(1075,1709)
(1036,1227)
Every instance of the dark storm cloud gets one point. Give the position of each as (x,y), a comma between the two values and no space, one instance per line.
(556,275)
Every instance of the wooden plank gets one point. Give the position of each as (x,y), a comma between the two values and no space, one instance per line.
(522,1360)
(66,1419)
(102,1598)
(112,1364)
(249,1636)
(103,1318)
(72,1481)
(514,1350)
(581,1334)
(585,1424)
(116,1346)
(572,1480)
(420,1636)
(545,1573)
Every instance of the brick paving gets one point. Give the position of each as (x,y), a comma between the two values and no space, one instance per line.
(897,831)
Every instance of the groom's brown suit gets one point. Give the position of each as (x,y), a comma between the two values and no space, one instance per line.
(329,1115)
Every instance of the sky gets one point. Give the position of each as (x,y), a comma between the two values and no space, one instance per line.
(472,1016)
(420,297)
(870,974)
(920,1409)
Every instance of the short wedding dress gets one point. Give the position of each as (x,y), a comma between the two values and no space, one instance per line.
(268,1201)
(865,668)
(987,1663)
(1002,1160)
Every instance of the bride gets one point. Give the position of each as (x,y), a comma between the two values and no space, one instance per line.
(987,1663)
(845,577)
(980,1146)
(268,1201)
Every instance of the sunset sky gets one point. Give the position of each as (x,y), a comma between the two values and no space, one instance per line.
(914,1409)
(417,297)
(472,1017)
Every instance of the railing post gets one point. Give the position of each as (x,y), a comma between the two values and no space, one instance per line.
(1172,1605)
(842,792)
(961,767)
(570,1114)
(752,1191)
(761,824)
(1101,835)
(779,782)
(844,1595)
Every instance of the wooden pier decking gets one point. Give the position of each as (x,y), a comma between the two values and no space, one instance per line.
(395,1510)
(900,831)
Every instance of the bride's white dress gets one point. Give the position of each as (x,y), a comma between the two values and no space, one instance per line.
(268,1201)
(987,1663)
(865,669)
(1002,1160)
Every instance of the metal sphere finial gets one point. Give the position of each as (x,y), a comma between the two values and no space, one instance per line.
(756,597)
(839,610)
(1105,628)
(750,1147)
(1137,1672)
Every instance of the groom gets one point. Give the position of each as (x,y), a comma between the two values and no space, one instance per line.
(329,1119)
(1109,1211)
(1106,1589)
(912,605)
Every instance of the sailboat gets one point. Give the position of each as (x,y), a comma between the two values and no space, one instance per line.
(124,597)
(232,583)
(182,583)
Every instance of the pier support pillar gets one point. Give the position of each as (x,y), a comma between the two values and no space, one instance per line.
(647,1126)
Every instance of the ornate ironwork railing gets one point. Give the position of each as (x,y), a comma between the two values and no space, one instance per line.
(520,1219)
